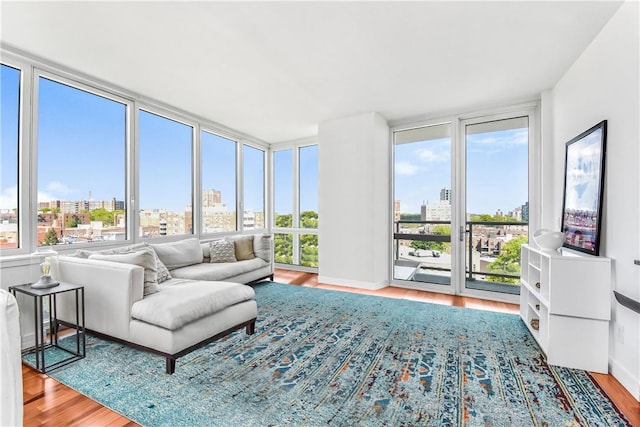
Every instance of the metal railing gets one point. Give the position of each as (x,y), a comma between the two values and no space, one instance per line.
(424,236)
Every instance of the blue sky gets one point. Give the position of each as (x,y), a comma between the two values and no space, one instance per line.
(496,171)
(82,148)
(283,175)
(9,81)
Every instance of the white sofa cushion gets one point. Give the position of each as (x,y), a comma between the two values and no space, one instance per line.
(145,258)
(180,253)
(218,271)
(180,302)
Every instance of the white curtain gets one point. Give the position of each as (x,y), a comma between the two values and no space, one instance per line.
(10,362)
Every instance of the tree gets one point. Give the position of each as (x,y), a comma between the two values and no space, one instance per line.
(309,250)
(283,250)
(73,221)
(51,238)
(101,214)
(309,219)
(439,230)
(410,217)
(284,221)
(508,262)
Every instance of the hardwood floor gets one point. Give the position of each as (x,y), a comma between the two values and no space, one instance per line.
(49,403)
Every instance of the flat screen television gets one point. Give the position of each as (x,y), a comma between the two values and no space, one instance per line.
(584,190)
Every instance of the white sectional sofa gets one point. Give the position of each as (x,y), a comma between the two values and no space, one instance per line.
(169,298)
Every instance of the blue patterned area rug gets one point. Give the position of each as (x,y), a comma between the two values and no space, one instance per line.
(331,358)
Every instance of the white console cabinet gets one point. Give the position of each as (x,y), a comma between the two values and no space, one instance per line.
(569,294)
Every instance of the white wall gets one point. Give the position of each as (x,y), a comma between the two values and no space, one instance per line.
(604,84)
(354,201)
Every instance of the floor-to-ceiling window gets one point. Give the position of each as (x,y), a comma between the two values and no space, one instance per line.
(81,157)
(496,201)
(422,204)
(218,190)
(9,157)
(295,205)
(461,202)
(89,163)
(165,170)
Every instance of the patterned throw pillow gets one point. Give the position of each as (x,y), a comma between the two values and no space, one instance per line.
(163,271)
(222,251)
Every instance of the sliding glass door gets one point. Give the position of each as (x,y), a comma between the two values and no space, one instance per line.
(461,204)
(496,201)
(422,205)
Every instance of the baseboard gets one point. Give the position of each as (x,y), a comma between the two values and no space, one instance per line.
(624,377)
(353,283)
(28,341)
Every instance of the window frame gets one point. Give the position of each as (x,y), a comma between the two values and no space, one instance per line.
(178,118)
(93,90)
(295,230)
(265,186)
(530,109)
(200,165)
(31,69)
(24,179)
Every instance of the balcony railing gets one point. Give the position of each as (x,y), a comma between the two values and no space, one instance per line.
(483,231)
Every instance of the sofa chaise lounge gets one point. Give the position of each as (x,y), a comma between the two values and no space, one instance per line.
(169,298)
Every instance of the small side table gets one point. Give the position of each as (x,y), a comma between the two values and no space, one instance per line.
(60,354)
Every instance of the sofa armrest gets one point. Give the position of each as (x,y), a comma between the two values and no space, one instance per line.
(110,289)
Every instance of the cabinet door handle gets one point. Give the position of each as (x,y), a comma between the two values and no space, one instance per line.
(538,285)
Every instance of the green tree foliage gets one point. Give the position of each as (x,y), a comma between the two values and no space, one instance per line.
(283,248)
(508,262)
(73,221)
(309,250)
(51,238)
(490,218)
(440,230)
(101,214)
(410,217)
(285,221)
(309,219)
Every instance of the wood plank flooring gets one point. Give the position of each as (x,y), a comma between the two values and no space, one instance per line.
(49,403)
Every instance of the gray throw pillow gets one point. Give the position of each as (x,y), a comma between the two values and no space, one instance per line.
(222,251)
(144,258)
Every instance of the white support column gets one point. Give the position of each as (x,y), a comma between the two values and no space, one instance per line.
(354,201)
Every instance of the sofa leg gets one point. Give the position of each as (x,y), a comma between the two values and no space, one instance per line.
(251,328)
(171,365)
(271,277)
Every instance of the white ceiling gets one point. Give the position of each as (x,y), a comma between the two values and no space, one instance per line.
(274,70)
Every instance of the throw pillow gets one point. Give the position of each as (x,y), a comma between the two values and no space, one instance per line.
(222,251)
(144,258)
(179,254)
(262,247)
(244,247)
(162,270)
